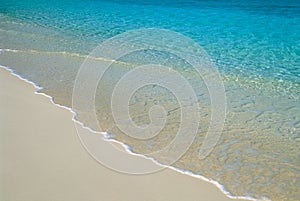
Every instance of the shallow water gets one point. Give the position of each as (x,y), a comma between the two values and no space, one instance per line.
(255,45)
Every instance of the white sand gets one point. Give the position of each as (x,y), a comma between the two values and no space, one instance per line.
(42,159)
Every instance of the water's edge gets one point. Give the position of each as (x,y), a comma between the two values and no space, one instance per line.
(125,146)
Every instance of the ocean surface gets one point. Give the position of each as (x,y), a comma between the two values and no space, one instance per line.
(255,45)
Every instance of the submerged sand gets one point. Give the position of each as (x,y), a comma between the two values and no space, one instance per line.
(43,159)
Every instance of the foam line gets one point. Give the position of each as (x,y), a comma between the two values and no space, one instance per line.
(107,138)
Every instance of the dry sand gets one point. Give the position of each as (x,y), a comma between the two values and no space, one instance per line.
(42,159)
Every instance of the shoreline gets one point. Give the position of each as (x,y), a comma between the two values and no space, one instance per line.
(222,195)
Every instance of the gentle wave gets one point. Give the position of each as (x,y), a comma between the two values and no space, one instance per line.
(69,54)
(282,86)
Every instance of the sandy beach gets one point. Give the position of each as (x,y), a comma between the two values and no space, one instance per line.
(211,88)
(43,159)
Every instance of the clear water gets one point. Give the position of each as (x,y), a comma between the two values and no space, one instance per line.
(255,44)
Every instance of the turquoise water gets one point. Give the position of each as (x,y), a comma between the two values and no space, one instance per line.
(255,38)
(255,45)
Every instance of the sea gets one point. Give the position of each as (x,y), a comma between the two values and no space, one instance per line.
(255,48)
